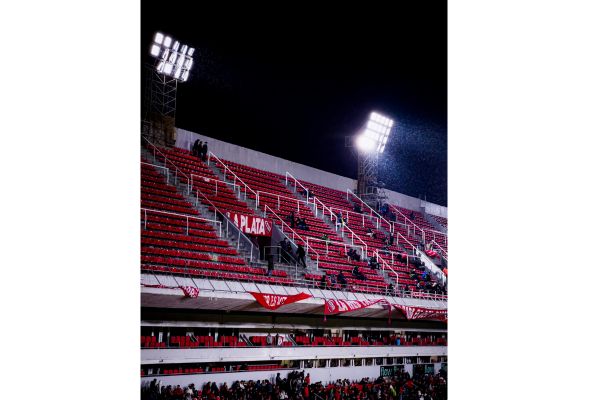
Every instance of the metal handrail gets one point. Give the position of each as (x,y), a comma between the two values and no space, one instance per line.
(156,149)
(158,166)
(187,217)
(278,201)
(346,245)
(283,223)
(228,223)
(370,208)
(408,219)
(217,210)
(296,183)
(204,177)
(385,264)
(332,215)
(246,187)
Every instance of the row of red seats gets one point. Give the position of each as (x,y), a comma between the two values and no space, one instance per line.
(218,274)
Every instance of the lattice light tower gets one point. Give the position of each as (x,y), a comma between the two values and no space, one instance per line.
(369,144)
(173,63)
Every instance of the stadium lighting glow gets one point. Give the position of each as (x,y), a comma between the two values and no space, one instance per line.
(155,50)
(173,58)
(376,134)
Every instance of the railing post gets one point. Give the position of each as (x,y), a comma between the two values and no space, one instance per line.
(145,219)
(187,225)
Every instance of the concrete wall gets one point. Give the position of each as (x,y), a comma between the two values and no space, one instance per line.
(256,159)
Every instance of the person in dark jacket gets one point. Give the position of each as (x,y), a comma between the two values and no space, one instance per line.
(204,151)
(300,253)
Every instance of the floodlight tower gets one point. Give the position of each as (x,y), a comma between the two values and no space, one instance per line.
(370,143)
(173,63)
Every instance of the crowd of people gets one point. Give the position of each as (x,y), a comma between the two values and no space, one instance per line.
(297,386)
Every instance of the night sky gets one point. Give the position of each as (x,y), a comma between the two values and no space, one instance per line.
(294,82)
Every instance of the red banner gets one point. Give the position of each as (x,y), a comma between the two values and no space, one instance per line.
(252,225)
(274,301)
(188,291)
(435,314)
(341,306)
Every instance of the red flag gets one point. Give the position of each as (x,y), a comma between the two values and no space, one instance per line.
(334,306)
(274,301)
(190,291)
(437,314)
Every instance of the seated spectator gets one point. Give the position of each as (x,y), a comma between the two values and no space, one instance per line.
(357,208)
(373,263)
(353,255)
(391,290)
(292,219)
(342,279)
(370,233)
(412,216)
(324,282)
(359,275)
(325,237)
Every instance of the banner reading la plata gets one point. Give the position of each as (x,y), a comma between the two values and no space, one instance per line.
(252,225)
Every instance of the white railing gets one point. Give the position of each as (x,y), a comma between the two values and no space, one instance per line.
(187,219)
(378,218)
(385,264)
(228,221)
(335,242)
(158,166)
(279,197)
(166,160)
(296,183)
(235,177)
(217,181)
(294,234)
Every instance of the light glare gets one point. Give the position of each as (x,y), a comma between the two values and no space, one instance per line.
(158,38)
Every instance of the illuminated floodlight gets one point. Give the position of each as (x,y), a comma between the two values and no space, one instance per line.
(155,50)
(376,134)
(173,59)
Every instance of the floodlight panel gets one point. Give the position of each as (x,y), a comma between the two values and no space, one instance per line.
(176,45)
(161,66)
(184,76)
(191,51)
(168,68)
(184,49)
(155,50)
(167,42)
(365,144)
(158,38)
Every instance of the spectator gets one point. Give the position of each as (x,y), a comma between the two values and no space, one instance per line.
(412,216)
(269,339)
(277,339)
(196,147)
(342,280)
(286,250)
(292,219)
(357,208)
(204,151)
(300,253)
(373,263)
(325,237)
(370,233)
(359,275)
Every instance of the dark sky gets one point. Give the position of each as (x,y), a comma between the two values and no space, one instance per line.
(294,82)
